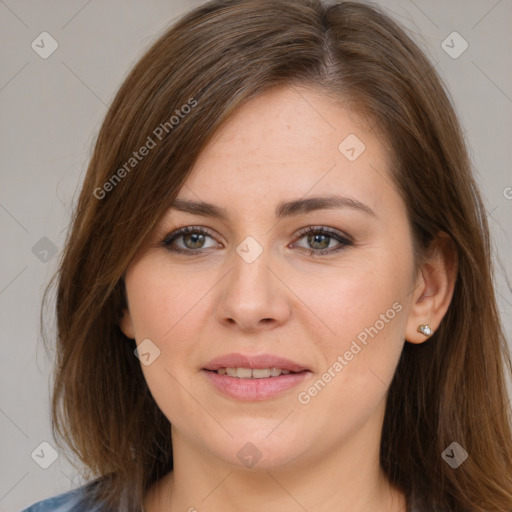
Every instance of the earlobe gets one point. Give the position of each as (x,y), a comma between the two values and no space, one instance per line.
(433,291)
(126,324)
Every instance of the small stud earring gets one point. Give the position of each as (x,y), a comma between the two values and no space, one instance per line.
(424,329)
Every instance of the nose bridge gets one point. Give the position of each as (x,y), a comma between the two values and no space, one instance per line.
(252,293)
(250,275)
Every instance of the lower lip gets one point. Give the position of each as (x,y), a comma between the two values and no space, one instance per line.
(255,389)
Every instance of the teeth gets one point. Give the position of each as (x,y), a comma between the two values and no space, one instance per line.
(255,373)
(261,373)
(244,373)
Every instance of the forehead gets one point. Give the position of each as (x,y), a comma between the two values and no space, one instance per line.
(285,144)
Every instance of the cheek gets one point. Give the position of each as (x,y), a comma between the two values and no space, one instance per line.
(163,299)
(361,295)
(361,316)
(167,307)
(153,320)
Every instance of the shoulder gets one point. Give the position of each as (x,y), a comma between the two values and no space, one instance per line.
(75,500)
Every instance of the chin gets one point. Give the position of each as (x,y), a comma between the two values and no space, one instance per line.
(256,450)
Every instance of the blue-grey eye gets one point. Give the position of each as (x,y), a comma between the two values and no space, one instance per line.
(188,238)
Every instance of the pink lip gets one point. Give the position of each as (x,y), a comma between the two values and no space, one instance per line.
(254,389)
(254,361)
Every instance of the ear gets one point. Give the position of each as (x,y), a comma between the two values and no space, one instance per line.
(126,324)
(433,289)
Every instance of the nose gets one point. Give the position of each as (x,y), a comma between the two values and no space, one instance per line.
(253,296)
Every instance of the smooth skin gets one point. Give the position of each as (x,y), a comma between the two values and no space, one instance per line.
(323,455)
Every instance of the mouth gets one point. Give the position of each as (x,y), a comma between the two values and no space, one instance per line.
(253,373)
(258,377)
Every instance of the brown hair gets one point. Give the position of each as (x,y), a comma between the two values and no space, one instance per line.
(451,388)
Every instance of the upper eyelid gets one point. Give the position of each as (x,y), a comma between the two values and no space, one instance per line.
(185,229)
(325,229)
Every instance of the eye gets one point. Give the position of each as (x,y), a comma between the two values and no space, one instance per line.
(188,239)
(320,240)
(194,239)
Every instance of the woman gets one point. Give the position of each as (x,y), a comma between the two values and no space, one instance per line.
(277,289)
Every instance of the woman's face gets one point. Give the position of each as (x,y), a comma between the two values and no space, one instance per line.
(248,289)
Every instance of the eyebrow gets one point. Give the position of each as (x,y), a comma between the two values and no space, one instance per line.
(283,209)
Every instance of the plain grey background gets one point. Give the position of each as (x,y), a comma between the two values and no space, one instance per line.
(51,110)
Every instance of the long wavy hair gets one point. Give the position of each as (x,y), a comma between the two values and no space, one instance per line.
(215,58)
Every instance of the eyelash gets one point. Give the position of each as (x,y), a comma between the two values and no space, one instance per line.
(344,241)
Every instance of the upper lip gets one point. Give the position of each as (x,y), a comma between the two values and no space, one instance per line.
(253,361)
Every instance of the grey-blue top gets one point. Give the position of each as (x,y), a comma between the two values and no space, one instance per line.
(71,501)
